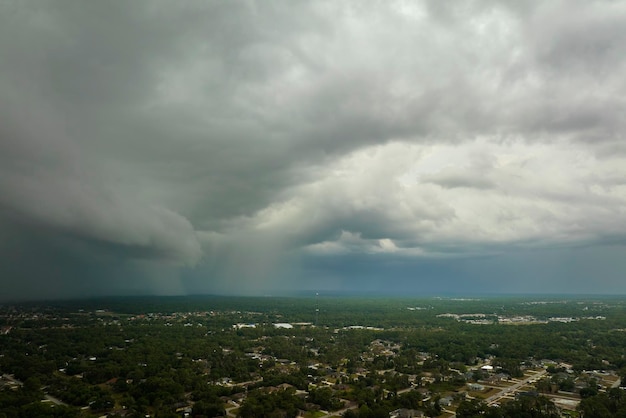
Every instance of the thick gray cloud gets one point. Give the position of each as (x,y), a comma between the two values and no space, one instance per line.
(263,147)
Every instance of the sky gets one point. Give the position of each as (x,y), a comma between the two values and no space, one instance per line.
(281,147)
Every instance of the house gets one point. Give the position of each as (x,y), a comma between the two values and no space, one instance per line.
(475,386)
(496,378)
(447,401)
(406,413)
(424,392)
(527,394)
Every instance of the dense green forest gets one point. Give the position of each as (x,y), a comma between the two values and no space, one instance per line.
(365,357)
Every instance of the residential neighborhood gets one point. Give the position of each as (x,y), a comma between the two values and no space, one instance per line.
(126,362)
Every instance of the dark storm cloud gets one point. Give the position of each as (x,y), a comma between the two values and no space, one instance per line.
(45,181)
(203,146)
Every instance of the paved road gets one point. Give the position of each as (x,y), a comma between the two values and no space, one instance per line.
(47,397)
(339,412)
(248,383)
(54,400)
(511,390)
(229,411)
(11,379)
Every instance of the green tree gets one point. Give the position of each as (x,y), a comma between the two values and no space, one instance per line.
(471,409)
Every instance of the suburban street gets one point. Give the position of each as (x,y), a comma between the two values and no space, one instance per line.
(511,390)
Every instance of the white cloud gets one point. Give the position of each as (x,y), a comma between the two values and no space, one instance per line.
(475,194)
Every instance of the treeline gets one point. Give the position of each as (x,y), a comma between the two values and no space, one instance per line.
(525,407)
